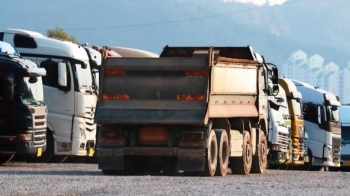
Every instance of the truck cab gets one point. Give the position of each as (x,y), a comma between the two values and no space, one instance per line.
(322,123)
(298,135)
(345,135)
(278,130)
(23,111)
(70,91)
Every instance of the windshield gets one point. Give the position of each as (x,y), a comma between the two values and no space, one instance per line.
(345,135)
(277,117)
(84,77)
(296,107)
(7,48)
(32,93)
(333,113)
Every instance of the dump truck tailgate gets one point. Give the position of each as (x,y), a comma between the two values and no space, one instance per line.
(153,90)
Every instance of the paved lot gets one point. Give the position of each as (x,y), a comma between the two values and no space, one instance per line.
(85,179)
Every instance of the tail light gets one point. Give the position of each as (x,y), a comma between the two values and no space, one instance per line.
(111,134)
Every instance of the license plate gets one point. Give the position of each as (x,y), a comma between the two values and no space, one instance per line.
(91,152)
(346,163)
(40,152)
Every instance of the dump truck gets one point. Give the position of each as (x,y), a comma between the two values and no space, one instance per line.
(198,110)
(298,135)
(23,113)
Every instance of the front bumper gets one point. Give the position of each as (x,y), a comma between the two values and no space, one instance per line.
(20,147)
(277,157)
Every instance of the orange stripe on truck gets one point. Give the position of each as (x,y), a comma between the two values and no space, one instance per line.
(115,72)
(118,97)
(189,97)
(196,73)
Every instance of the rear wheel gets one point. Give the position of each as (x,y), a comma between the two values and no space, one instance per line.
(211,155)
(243,165)
(6,158)
(260,161)
(223,155)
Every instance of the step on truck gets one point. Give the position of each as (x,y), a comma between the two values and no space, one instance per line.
(199,110)
(298,136)
(322,123)
(70,92)
(23,112)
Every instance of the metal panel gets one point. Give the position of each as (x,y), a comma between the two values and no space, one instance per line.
(231,111)
(232,80)
(104,115)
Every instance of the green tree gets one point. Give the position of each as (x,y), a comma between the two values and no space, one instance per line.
(60,33)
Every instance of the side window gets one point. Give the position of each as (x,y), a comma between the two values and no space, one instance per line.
(51,67)
(310,112)
(51,78)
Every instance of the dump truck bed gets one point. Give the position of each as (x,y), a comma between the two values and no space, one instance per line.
(172,89)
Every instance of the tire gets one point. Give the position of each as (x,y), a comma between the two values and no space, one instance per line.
(308,165)
(243,165)
(223,152)
(75,159)
(211,155)
(259,164)
(58,158)
(110,172)
(49,152)
(6,158)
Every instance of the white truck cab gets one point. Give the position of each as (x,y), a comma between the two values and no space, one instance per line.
(70,90)
(345,135)
(322,123)
(279,132)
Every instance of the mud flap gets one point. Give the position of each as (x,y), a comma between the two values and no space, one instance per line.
(191,159)
(110,159)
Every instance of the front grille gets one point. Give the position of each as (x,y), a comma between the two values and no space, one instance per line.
(336,142)
(283,141)
(306,146)
(89,112)
(39,117)
(39,138)
(90,125)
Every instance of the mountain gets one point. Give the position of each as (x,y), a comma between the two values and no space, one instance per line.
(314,26)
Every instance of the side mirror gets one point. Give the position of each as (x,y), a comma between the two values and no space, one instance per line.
(84,66)
(62,74)
(275,89)
(32,80)
(275,75)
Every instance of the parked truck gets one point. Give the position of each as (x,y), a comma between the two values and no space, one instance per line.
(278,137)
(298,135)
(23,112)
(70,91)
(194,109)
(322,123)
(345,136)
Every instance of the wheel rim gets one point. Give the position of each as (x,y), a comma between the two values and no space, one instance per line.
(248,152)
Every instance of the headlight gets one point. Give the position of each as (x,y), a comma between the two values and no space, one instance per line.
(25,137)
(82,130)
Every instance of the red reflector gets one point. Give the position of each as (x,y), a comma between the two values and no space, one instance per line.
(118,97)
(196,73)
(189,97)
(114,72)
(111,134)
(11,139)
